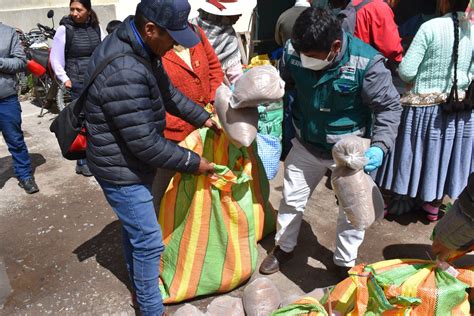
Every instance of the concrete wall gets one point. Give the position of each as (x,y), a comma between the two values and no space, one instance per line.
(27,19)
(24,14)
(127,7)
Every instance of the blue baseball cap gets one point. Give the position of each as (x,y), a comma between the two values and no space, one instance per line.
(172,15)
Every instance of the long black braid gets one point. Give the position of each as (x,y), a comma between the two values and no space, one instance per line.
(452,103)
(456,51)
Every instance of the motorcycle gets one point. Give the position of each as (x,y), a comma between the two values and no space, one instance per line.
(47,90)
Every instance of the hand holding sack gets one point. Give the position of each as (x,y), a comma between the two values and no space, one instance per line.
(357,193)
(211,223)
(375,158)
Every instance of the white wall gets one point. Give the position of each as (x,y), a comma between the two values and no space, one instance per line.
(127,7)
(24,14)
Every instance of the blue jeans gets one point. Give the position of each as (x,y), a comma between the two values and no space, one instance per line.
(142,240)
(10,126)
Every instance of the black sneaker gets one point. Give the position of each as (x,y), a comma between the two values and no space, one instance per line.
(29,185)
(84,170)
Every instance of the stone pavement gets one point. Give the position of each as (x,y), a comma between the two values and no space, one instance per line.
(60,250)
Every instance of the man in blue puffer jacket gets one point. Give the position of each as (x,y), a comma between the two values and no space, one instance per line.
(125,119)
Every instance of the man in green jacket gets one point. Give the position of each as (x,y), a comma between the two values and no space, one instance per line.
(343,89)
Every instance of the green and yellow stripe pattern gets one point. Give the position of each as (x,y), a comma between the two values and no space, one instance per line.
(211,224)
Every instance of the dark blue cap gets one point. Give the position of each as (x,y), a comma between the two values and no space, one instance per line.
(171,15)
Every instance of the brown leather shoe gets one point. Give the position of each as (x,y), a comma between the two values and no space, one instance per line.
(276,257)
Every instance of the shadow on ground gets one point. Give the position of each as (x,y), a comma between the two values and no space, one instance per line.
(300,269)
(421,251)
(408,251)
(6,167)
(413,217)
(106,247)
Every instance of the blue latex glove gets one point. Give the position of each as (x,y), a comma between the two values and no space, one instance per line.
(375,156)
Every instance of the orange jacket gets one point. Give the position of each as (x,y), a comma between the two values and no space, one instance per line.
(198,84)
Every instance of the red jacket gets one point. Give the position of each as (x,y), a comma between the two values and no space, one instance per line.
(198,84)
(375,25)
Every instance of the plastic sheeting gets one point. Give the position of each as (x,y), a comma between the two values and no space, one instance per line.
(357,193)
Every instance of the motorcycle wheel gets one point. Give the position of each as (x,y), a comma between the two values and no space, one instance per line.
(41,87)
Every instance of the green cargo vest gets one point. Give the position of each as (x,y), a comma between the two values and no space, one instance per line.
(330,102)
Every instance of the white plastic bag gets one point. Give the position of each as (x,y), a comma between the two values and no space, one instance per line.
(357,193)
(226,306)
(258,85)
(188,310)
(240,125)
(261,298)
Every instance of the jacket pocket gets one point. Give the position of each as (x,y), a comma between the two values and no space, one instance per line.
(344,94)
(341,128)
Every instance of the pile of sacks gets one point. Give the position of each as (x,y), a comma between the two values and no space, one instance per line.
(261,298)
(237,108)
(402,287)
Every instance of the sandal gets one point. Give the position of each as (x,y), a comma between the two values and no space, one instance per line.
(432,213)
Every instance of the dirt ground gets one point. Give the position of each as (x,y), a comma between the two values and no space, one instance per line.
(60,249)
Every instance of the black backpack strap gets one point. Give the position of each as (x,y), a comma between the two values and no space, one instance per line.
(362,4)
(348,16)
(80,101)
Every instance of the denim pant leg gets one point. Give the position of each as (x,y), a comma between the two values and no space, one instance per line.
(127,253)
(10,126)
(133,205)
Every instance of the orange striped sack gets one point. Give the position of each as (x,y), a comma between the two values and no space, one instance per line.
(403,287)
(211,224)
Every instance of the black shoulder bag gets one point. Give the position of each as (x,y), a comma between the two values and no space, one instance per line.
(69,127)
(453,104)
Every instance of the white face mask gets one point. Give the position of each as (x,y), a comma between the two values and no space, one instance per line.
(315,63)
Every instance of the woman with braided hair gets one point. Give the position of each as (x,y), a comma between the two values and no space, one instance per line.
(434,153)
